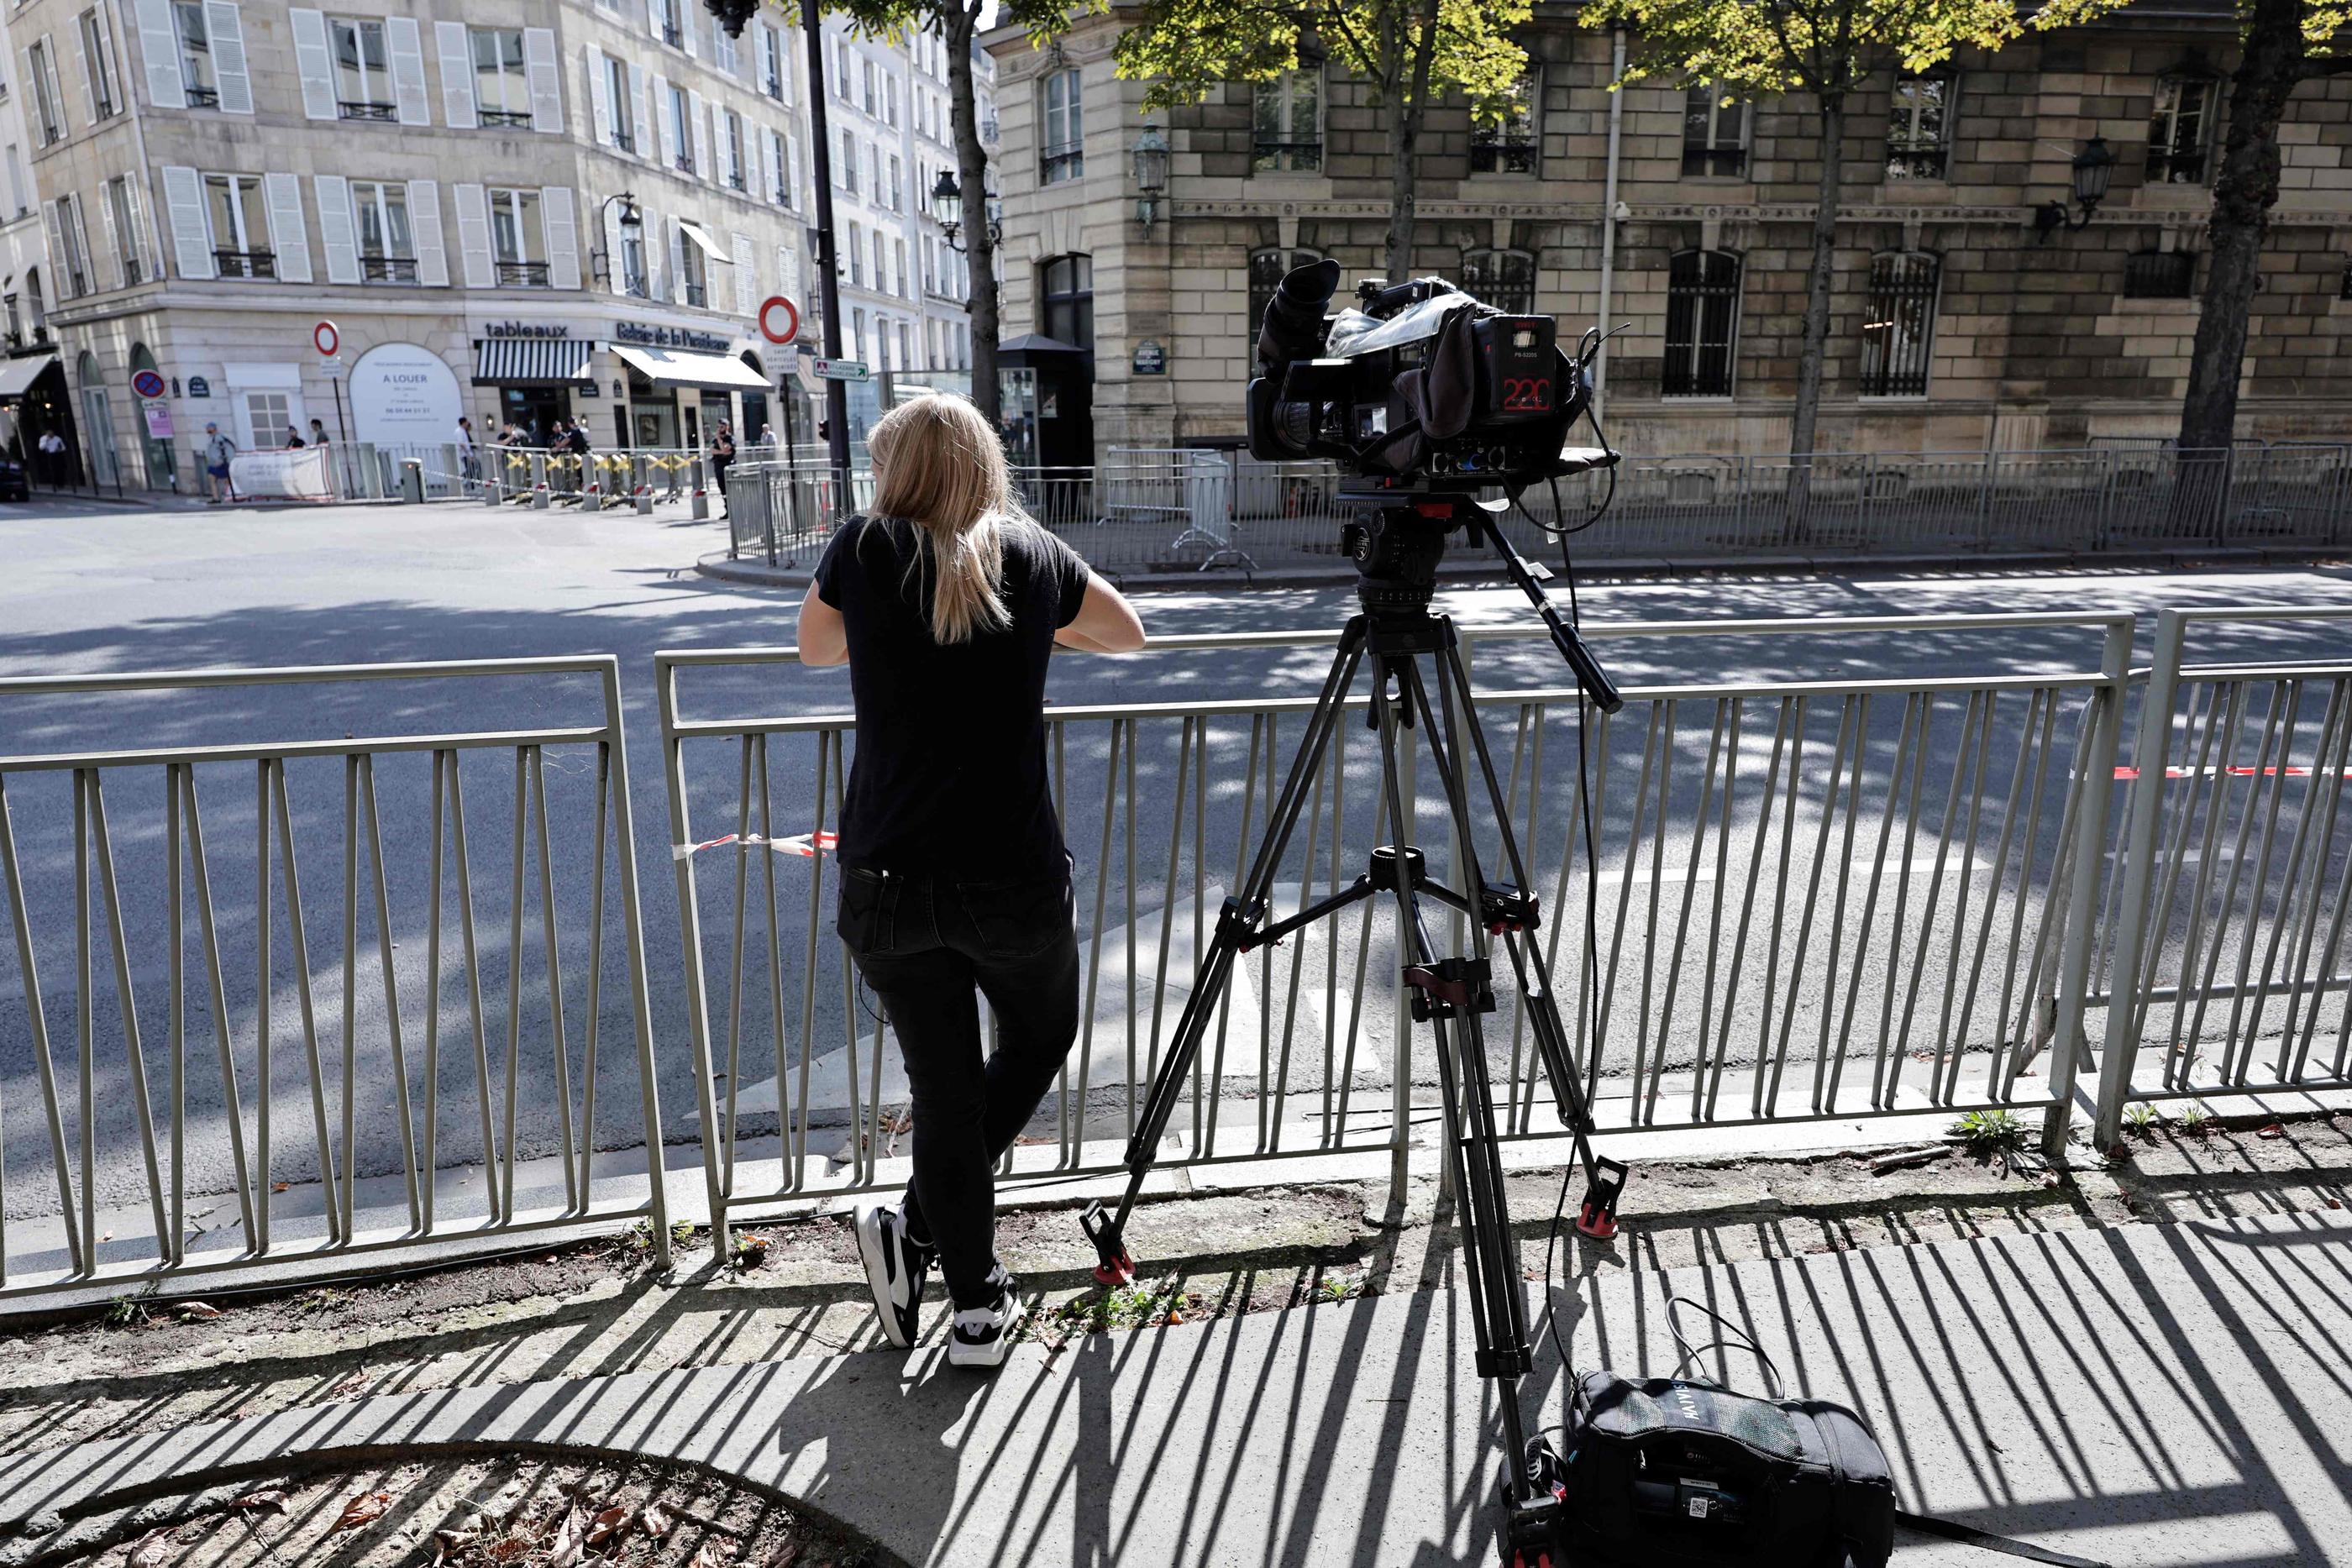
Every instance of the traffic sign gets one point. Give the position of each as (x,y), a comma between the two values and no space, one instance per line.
(326,339)
(331,367)
(147,383)
(843,370)
(779,319)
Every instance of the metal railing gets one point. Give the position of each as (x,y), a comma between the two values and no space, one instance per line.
(524,475)
(257,1088)
(2228,966)
(1826,899)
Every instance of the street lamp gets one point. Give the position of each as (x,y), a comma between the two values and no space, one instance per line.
(2094,167)
(600,263)
(1151,175)
(947,206)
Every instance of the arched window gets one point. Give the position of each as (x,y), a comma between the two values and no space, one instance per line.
(1502,278)
(1267,268)
(1702,324)
(1898,327)
(1066,292)
(2179,129)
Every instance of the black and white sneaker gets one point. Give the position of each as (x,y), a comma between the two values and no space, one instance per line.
(896,1265)
(984,1335)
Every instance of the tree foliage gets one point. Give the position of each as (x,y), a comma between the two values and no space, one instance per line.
(1757,47)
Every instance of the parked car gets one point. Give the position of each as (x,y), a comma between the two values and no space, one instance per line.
(14,486)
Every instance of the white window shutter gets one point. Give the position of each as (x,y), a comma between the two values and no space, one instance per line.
(456,47)
(150,267)
(474,236)
(654,18)
(53,225)
(643,126)
(677,248)
(600,96)
(226,25)
(158,51)
(761,183)
(685,27)
(281,197)
(192,241)
(616,273)
(788,273)
(652,249)
(699,120)
(114,241)
(81,59)
(546,79)
(315,64)
(405,44)
(336,234)
(425,229)
(665,137)
(555,209)
(747,283)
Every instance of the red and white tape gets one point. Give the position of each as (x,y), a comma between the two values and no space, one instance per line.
(808,846)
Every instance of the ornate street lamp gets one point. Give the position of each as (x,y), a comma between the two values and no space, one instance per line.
(2094,166)
(947,207)
(600,263)
(1151,175)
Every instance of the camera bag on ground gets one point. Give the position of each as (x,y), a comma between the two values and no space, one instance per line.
(1682,1472)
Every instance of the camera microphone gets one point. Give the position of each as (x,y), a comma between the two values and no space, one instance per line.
(1293,328)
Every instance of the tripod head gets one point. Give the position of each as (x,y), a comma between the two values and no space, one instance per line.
(1396,536)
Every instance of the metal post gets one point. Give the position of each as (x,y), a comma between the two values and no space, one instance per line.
(633,926)
(2123,977)
(690,923)
(1401,1073)
(2079,941)
(836,394)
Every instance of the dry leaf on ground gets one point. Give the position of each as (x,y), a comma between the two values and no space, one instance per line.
(364,1509)
(656,1521)
(156,1550)
(197,1310)
(609,1524)
(570,1540)
(270,1498)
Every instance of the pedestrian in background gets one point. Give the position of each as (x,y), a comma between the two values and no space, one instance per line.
(722,453)
(469,456)
(293,439)
(218,450)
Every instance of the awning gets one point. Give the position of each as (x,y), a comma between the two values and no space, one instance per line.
(703,237)
(529,362)
(18,376)
(675,368)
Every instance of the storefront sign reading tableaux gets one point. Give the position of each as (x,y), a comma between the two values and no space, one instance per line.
(525,330)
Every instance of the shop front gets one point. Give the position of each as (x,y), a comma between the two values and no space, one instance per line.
(677,394)
(535,372)
(33,395)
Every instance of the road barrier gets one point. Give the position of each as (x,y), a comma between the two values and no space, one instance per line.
(248,1028)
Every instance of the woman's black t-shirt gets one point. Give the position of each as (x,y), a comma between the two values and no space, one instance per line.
(950,775)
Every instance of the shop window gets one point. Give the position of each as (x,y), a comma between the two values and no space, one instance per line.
(1502,278)
(363,68)
(518,243)
(240,226)
(2179,130)
(1062,154)
(379,216)
(1702,324)
(502,90)
(1898,328)
(2160,275)
(1919,127)
(1715,132)
(1066,290)
(197,80)
(1267,268)
(1507,145)
(1286,123)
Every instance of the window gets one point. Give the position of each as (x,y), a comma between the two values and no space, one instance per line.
(625,103)
(379,214)
(1064,156)
(1899,329)
(866,75)
(857,334)
(363,76)
(1502,278)
(1702,324)
(98,54)
(268,416)
(1286,124)
(73,239)
(516,242)
(1267,268)
(1507,145)
(1714,134)
(844,168)
(731,124)
(890,101)
(1065,292)
(2160,275)
(857,255)
(881,268)
(693,271)
(681,128)
(240,226)
(501,91)
(906,347)
(780,161)
(48,116)
(841,69)
(2177,130)
(672,28)
(18,186)
(1919,128)
(123,219)
(898,268)
(196,55)
(772,62)
(898,185)
(723,57)
(633,261)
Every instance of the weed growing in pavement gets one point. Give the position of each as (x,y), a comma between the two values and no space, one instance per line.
(326,1298)
(130,1309)
(2196,1121)
(749,1251)
(2140,1119)
(1118,1307)
(1989,1131)
(1338,1288)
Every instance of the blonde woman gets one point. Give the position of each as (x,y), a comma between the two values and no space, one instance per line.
(946,603)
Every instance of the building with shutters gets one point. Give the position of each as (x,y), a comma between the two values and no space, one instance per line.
(219,176)
(1957,323)
(33,395)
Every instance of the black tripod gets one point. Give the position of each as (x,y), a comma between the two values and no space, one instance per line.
(1397,539)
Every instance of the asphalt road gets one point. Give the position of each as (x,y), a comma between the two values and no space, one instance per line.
(96,591)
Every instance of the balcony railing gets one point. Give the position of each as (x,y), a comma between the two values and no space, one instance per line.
(351,111)
(624,141)
(1917,161)
(1270,156)
(774,87)
(1059,164)
(388,268)
(510,118)
(694,294)
(522,275)
(685,161)
(1720,163)
(134,272)
(245,262)
(735,181)
(672,36)
(1493,155)
(202,97)
(783,196)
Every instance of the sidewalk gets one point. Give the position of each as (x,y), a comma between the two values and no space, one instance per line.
(2144,1395)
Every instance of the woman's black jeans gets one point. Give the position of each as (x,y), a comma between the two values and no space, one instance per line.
(924,943)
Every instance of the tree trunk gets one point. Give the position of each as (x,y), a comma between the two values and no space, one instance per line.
(1418,39)
(1819,278)
(971,174)
(2243,196)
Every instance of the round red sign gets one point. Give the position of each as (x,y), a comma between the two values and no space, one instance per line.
(779,319)
(326,338)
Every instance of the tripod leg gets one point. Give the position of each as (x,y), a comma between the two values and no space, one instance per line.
(1238,930)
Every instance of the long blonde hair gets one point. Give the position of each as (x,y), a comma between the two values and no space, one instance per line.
(938,464)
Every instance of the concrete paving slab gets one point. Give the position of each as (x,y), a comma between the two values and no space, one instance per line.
(2144,1395)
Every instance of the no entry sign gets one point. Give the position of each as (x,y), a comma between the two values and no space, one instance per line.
(779,319)
(325,339)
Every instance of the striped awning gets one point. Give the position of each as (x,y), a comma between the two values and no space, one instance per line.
(529,362)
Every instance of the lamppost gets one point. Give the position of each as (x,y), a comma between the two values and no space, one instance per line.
(601,264)
(1150,154)
(2094,167)
(947,206)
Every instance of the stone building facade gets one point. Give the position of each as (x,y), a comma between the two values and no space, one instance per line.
(1957,324)
(216,177)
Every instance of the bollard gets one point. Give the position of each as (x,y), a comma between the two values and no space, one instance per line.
(539,499)
(645,501)
(412,481)
(700,504)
